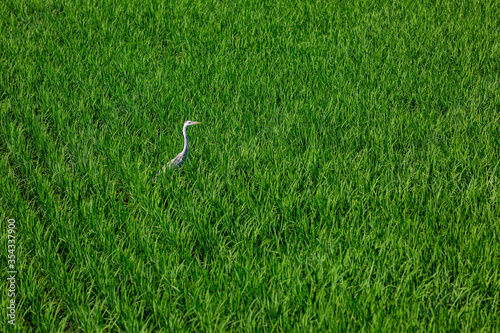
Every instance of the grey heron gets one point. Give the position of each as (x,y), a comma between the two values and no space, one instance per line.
(177,161)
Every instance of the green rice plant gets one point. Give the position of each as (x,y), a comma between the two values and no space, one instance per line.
(345,177)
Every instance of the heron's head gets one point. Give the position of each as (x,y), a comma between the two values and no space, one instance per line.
(189,123)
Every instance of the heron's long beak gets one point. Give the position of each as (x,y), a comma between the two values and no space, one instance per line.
(196,123)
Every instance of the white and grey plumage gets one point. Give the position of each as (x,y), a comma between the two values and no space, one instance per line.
(177,161)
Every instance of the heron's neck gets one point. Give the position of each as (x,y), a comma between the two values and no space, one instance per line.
(185,140)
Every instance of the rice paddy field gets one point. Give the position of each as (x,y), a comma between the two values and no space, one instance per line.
(345,177)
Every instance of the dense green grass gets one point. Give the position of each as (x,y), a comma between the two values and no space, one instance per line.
(345,177)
